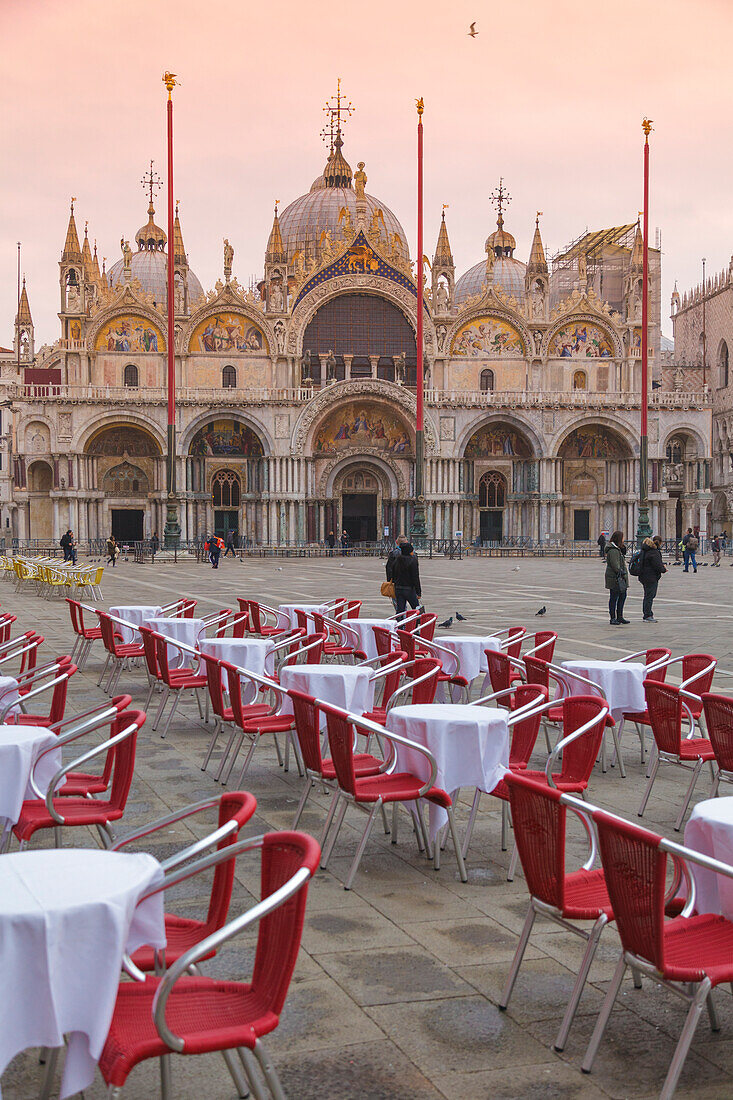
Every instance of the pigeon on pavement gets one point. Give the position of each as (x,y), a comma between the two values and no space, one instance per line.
(461,618)
(446,623)
(542,611)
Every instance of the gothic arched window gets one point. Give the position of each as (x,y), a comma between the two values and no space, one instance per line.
(131,376)
(675,450)
(226,489)
(580,380)
(487,381)
(723,358)
(492,491)
(229,378)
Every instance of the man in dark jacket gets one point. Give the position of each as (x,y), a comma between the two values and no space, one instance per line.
(601,540)
(406,577)
(651,569)
(392,558)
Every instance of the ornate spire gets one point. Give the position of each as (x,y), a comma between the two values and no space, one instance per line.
(500,243)
(105,281)
(337,172)
(95,266)
(537,261)
(443,254)
(179,252)
(24,309)
(276,253)
(72,251)
(151,237)
(86,254)
(637,252)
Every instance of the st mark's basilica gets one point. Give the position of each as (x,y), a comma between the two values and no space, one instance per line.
(296,395)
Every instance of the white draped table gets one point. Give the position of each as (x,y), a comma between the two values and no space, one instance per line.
(470,745)
(20,747)
(622,683)
(9,694)
(67,916)
(710,832)
(136,615)
(363,630)
(254,654)
(289,609)
(469,649)
(346,686)
(181,630)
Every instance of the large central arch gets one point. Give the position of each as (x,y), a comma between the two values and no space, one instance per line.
(358,327)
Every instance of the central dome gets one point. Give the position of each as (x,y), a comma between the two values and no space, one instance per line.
(304,221)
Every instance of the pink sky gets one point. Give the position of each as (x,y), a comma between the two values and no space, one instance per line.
(549,95)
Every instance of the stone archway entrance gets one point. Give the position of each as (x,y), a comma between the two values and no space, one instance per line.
(359,493)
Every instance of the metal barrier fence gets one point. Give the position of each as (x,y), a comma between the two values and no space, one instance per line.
(448,548)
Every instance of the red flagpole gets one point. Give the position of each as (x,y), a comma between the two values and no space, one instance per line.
(643,528)
(172,528)
(418,522)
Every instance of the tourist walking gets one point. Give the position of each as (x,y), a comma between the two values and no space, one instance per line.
(617,578)
(331,541)
(391,559)
(406,579)
(651,568)
(154,545)
(215,548)
(68,545)
(716,551)
(601,540)
(113,551)
(689,546)
(230,544)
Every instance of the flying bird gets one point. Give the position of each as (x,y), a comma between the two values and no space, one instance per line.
(542,611)
(473,32)
(461,618)
(446,623)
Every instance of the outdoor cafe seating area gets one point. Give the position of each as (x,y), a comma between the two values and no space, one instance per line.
(392,729)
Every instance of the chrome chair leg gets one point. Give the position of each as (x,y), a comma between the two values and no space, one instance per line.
(235,1073)
(518,956)
(588,956)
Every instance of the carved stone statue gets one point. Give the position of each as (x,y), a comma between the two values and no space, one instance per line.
(360,180)
(399,369)
(330,367)
(126,254)
(305,368)
(538,300)
(582,267)
(228,258)
(25,348)
(441,298)
(490,257)
(179,295)
(276,296)
(441,332)
(280,336)
(72,297)
(345,217)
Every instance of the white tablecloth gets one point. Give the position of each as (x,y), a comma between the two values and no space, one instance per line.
(9,694)
(345,686)
(183,630)
(289,610)
(470,746)
(66,919)
(469,649)
(365,634)
(20,747)
(254,654)
(622,683)
(137,614)
(710,832)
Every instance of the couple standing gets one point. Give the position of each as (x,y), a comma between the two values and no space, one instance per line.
(403,570)
(649,568)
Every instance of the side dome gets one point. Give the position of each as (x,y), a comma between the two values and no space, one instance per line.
(508,273)
(149,265)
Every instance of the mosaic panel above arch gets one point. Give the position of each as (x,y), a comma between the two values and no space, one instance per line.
(497,439)
(593,442)
(226,333)
(226,437)
(362,424)
(120,439)
(129,333)
(488,337)
(581,341)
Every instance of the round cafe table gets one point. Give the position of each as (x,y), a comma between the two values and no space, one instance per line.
(9,694)
(181,630)
(67,917)
(136,615)
(710,832)
(346,686)
(470,745)
(289,609)
(469,649)
(20,747)
(254,654)
(622,683)
(363,630)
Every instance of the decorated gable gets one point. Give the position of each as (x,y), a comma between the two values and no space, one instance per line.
(592,442)
(488,338)
(130,333)
(226,437)
(359,259)
(493,440)
(581,341)
(227,332)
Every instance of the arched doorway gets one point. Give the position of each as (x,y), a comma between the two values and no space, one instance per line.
(359,328)
(597,482)
(491,503)
(226,495)
(125,466)
(40,483)
(359,490)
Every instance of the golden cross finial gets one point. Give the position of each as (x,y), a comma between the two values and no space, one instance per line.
(86,227)
(420,106)
(540,213)
(73,200)
(150,180)
(169,79)
(500,197)
(647,126)
(277,203)
(334,112)
(177,202)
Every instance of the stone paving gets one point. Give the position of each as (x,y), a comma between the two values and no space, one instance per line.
(395,991)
